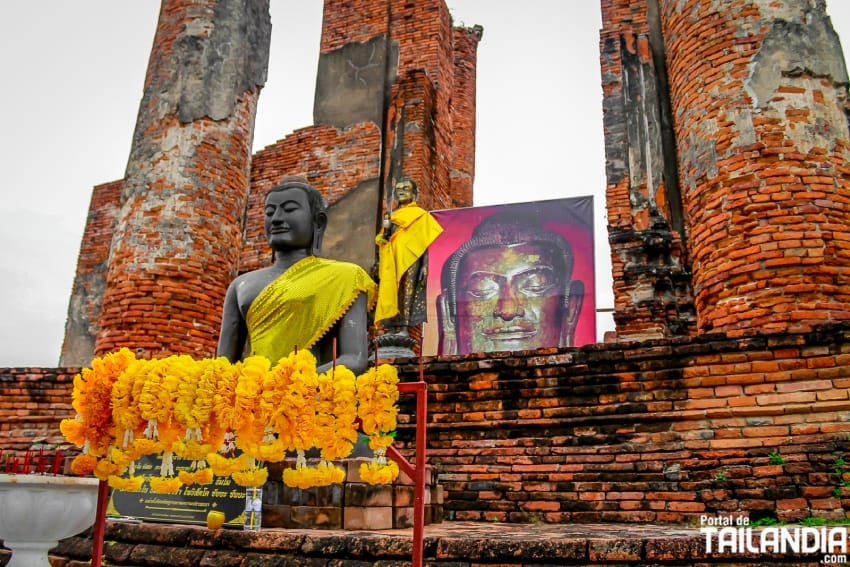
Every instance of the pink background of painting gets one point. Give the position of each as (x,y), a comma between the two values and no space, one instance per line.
(572,218)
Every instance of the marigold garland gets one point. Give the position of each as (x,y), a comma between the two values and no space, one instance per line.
(92,427)
(164,484)
(377,392)
(200,476)
(379,473)
(131,484)
(228,419)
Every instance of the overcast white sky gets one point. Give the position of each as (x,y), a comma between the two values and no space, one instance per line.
(73,76)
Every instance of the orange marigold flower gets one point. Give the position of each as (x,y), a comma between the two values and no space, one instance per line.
(83,464)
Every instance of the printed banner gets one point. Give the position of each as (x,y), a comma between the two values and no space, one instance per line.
(512,277)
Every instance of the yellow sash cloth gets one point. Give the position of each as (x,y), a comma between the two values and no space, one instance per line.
(415,230)
(303,303)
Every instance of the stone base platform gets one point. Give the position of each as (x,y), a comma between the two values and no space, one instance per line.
(450,544)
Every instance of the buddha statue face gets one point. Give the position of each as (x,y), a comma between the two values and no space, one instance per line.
(295,216)
(405,191)
(288,219)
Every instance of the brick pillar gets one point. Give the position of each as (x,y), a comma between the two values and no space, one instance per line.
(653,297)
(462,174)
(176,243)
(81,326)
(758,92)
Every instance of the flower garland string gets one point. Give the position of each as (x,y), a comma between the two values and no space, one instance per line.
(192,409)
(228,419)
(92,426)
(377,393)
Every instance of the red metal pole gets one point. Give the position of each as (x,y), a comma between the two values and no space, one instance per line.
(419,388)
(419,491)
(99,523)
(417,471)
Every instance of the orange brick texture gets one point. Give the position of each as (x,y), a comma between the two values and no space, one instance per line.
(32,403)
(176,241)
(651,271)
(764,159)
(424,34)
(727,151)
(658,431)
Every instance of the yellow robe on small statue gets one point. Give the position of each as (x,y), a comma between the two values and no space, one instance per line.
(415,230)
(304,303)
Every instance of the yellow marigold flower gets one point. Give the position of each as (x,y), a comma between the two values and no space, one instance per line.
(376,473)
(298,478)
(222,466)
(273,452)
(191,450)
(249,388)
(149,396)
(274,385)
(200,476)
(125,409)
(165,485)
(203,476)
(377,394)
(328,473)
(147,447)
(224,402)
(132,484)
(206,390)
(252,477)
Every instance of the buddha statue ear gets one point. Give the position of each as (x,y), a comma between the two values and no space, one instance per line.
(320,222)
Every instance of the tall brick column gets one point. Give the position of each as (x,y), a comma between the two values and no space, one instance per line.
(653,296)
(758,93)
(178,234)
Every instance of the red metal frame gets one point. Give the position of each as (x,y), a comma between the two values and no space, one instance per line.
(99,523)
(416,472)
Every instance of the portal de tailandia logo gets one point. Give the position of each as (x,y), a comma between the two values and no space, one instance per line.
(733,535)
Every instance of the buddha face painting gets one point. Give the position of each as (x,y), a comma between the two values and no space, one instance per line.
(508,289)
(510,298)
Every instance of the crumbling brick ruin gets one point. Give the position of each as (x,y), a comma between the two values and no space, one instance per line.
(395,96)
(728,199)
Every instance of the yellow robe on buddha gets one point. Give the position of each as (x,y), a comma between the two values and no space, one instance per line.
(304,303)
(415,230)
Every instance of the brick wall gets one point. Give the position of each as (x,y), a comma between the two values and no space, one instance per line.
(763,144)
(653,296)
(430,125)
(32,403)
(657,431)
(462,174)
